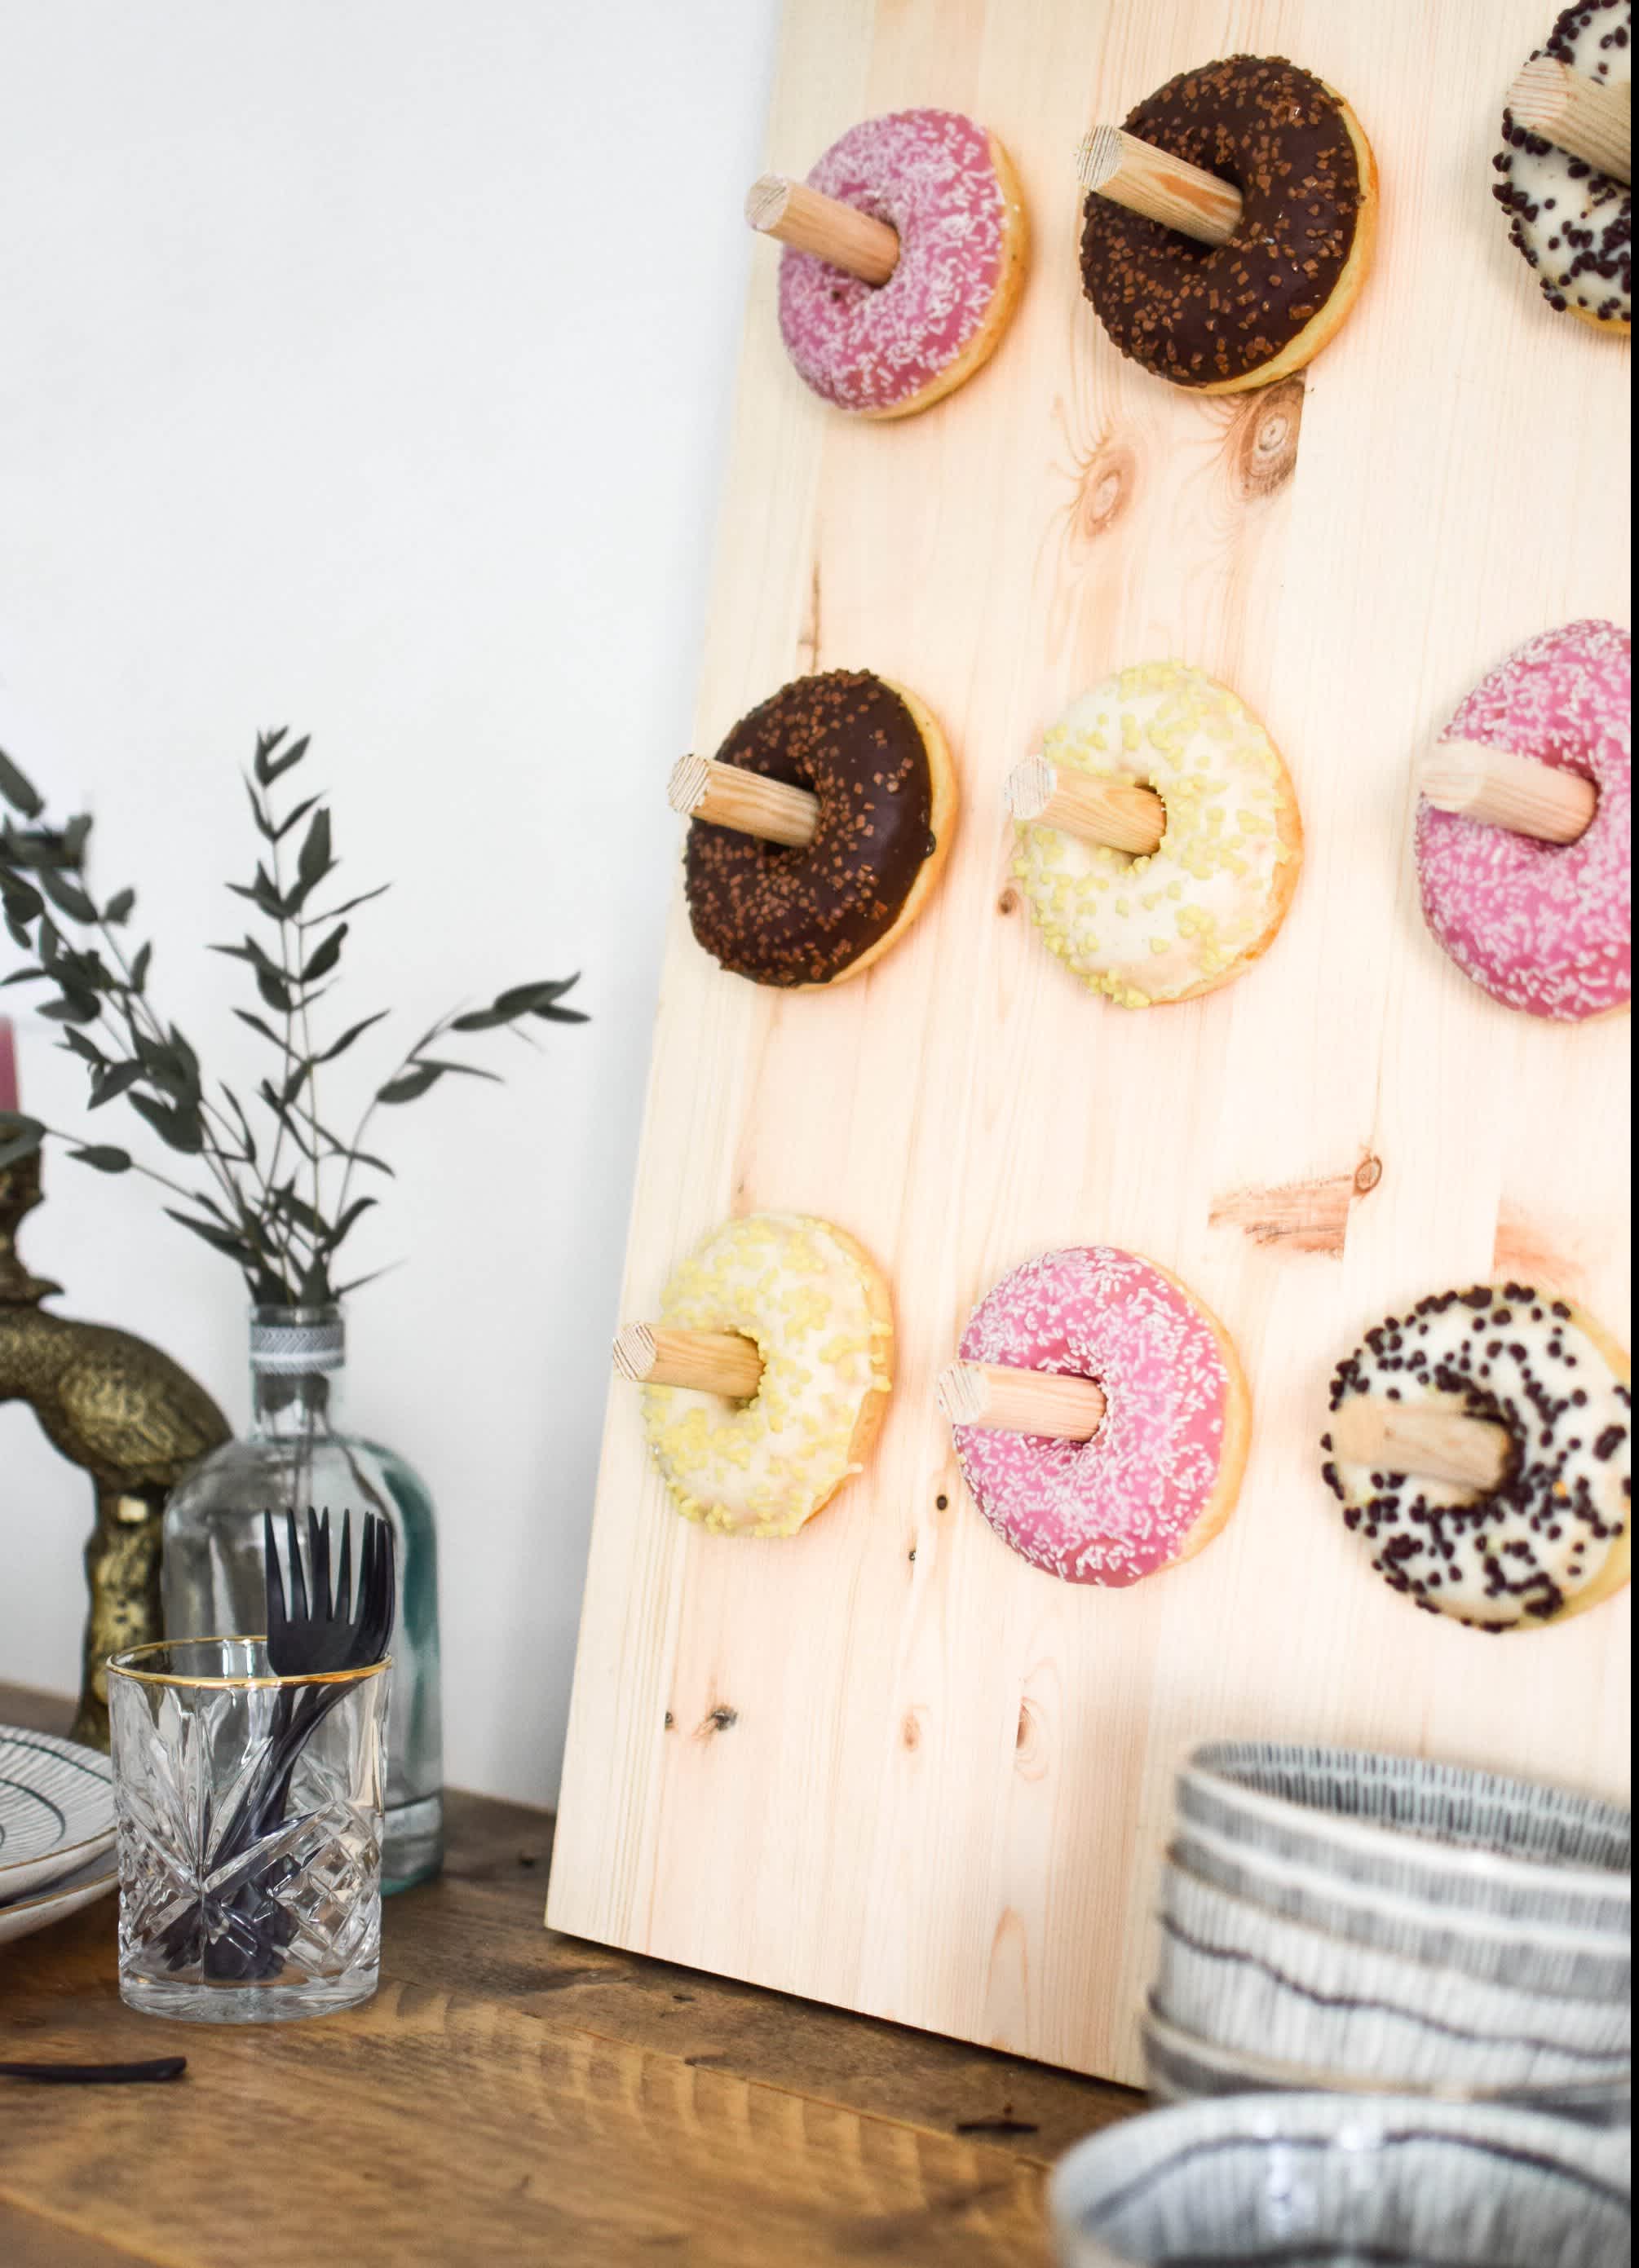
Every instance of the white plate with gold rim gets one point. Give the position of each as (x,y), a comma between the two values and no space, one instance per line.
(57,1810)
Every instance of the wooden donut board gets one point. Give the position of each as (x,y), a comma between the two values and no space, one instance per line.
(887,1764)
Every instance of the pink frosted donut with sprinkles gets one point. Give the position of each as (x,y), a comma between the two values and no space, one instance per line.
(1544,927)
(1160,1477)
(948,189)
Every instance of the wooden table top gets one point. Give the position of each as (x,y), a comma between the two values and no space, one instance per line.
(512,2094)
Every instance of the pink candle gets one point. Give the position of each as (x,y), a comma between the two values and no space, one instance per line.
(8,1067)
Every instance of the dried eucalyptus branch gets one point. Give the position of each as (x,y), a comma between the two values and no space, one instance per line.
(282,1207)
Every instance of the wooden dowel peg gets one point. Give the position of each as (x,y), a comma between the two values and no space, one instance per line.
(1158,185)
(1435,1440)
(1041,1401)
(711,1362)
(800,216)
(1119,812)
(1501,789)
(1583,115)
(729,796)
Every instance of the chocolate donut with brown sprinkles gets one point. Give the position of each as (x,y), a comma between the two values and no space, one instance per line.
(1221,318)
(875,757)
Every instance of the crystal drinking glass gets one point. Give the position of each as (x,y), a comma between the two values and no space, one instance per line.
(250,1825)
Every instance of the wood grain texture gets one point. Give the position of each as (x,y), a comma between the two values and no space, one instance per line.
(887,1764)
(511,2095)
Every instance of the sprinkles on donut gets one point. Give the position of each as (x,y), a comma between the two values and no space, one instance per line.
(1194,913)
(1553,1539)
(949,190)
(1221,318)
(875,757)
(1160,1477)
(817,1308)
(1571,222)
(1544,927)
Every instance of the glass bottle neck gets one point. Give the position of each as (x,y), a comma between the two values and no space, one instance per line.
(287,1405)
(297,1358)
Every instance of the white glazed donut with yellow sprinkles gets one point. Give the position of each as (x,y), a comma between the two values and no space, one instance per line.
(817,1310)
(1191,914)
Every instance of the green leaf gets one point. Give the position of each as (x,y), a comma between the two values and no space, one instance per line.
(86,1050)
(73,1007)
(274,991)
(261,894)
(359,1206)
(26,976)
(264,1031)
(118,1078)
(410,1084)
(75,835)
(18,792)
(257,955)
(293,819)
(325,957)
(23,901)
(363,1158)
(264,825)
(314,861)
(518,1000)
(278,765)
(19,1136)
(139,968)
(104,1158)
(118,909)
(266,743)
(560,1015)
(317,921)
(238,1109)
(179,1129)
(67,896)
(220,1240)
(353,1032)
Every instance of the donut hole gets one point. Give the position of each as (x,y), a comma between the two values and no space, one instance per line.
(844,285)
(1125,859)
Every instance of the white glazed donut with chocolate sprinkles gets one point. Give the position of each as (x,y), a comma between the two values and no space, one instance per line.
(1573,225)
(1553,1539)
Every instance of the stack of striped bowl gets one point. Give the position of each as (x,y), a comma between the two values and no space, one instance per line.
(1337,1921)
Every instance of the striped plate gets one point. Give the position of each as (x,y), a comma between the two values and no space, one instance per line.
(57,1810)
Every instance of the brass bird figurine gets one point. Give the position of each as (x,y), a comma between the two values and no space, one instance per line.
(130,1416)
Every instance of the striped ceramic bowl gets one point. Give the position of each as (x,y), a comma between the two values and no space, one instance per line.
(1447,1839)
(1314,2180)
(1179,2067)
(1248,1979)
(1577,1964)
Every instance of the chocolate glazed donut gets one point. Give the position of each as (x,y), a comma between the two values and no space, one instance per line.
(1223,317)
(876,761)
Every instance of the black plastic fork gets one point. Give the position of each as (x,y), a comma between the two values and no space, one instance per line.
(318,1637)
(316,1634)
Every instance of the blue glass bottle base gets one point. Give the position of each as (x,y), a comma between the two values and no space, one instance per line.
(412,1846)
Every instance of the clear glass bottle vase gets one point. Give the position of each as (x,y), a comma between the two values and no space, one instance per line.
(295,1456)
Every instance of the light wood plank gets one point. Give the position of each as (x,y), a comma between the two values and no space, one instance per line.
(886,1764)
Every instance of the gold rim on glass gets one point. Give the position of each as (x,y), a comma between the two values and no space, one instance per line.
(119,1665)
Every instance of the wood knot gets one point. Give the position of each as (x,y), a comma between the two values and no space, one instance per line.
(717,1720)
(1367,1173)
(670,1721)
(1265,440)
(1008,902)
(911,1730)
(1107,489)
(1030,1746)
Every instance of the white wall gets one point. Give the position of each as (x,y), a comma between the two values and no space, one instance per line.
(344,384)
